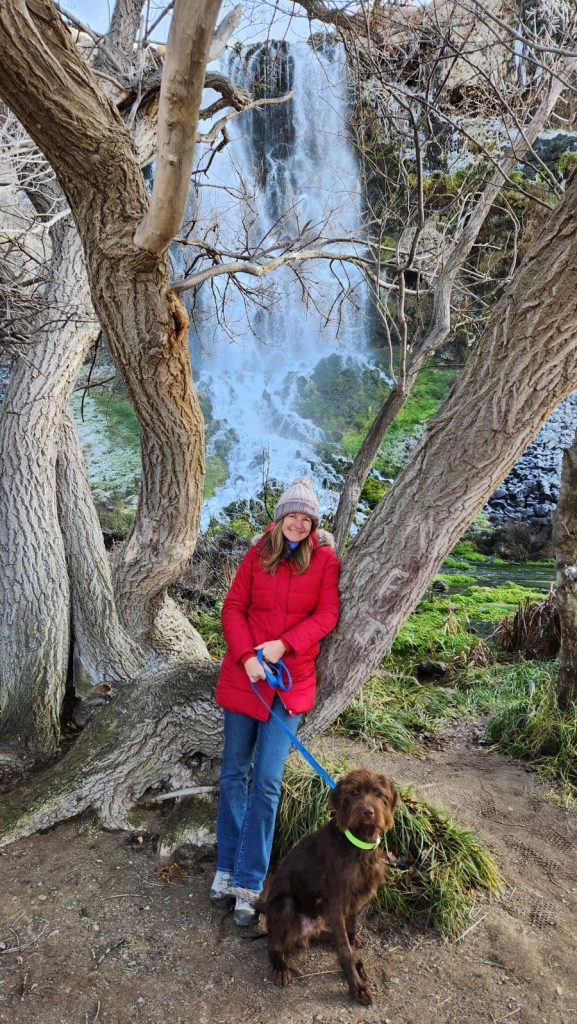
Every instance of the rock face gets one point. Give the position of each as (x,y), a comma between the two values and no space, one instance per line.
(531,490)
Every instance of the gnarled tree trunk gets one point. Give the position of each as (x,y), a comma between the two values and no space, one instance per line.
(524,364)
(565,543)
(34,585)
(58,100)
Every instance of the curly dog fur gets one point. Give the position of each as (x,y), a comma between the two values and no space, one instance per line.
(325,880)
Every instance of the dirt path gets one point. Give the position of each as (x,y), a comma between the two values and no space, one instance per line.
(101,941)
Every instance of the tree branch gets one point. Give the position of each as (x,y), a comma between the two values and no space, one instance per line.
(189,40)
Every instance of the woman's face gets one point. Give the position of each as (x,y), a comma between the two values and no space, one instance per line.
(296,526)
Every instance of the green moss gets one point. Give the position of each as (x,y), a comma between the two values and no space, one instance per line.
(374,490)
(438,628)
(466,550)
(337,397)
(216,474)
(430,390)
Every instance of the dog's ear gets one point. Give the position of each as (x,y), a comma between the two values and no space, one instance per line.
(390,789)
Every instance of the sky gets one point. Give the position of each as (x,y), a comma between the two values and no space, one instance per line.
(261,18)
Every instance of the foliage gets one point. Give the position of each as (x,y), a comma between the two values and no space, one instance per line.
(443,864)
(391,710)
(533,631)
(207,622)
(535,728)
(429,391)
(567,162)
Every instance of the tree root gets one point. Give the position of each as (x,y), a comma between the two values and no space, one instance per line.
(146,737)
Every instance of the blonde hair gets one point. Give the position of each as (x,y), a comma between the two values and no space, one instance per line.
(273,549)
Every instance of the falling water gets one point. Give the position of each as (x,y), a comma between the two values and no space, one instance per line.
(288,172)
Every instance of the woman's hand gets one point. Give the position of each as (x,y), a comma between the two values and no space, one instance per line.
(272,650)
(254,669)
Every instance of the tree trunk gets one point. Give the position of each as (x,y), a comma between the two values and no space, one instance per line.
(103,650)
(59,102)
(565,542)
(148,736)
(34,589)
(524,364)
(362,463)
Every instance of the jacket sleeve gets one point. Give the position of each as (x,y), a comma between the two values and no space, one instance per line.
(326,614)
(234,615)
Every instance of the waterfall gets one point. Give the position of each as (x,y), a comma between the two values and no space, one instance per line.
(288,172)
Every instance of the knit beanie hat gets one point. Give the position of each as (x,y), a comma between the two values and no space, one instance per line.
(299,497)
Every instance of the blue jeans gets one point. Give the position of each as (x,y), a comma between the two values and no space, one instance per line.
(248,803)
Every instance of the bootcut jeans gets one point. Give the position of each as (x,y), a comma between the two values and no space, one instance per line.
(248,801)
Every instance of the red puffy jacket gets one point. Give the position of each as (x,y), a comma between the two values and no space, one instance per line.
(299,608)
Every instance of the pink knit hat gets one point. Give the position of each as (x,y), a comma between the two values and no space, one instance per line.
(299,497)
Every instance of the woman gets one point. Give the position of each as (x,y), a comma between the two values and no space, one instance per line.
(282,601)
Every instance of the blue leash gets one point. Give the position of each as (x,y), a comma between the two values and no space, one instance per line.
(279,678)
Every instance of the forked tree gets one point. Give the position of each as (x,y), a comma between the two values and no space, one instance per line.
(59,593)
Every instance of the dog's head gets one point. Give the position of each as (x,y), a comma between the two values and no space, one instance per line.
(363,802)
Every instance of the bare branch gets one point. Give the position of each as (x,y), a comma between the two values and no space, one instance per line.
(189,40)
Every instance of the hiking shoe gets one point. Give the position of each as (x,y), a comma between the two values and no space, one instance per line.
(220,895)
(244,912)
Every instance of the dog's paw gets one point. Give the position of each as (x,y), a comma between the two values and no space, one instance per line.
(284,976)
(362,994)
(357,941)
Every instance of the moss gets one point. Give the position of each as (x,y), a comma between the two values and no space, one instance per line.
(439,626)
(466,550)
(336,396)
(430,390)
(374,490)
(216,474)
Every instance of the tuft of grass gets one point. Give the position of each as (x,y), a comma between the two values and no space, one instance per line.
(445,865)
(535,729)
(391,710)
(534,631)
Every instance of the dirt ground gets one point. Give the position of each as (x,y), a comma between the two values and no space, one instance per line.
(89,935)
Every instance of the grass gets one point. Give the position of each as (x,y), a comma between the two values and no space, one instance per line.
(391,710)
(444,865)
(535,729)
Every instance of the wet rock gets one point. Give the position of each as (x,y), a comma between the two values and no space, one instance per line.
(431,670)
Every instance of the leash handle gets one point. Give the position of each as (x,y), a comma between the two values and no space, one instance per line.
(274,677)
(274,673)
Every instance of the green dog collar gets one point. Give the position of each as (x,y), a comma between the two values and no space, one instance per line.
(360,842)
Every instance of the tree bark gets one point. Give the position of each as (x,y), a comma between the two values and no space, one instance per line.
(565,543)
(58,100)
(34,588)
(160,730)
(524,364)
(189,39)
(103,650)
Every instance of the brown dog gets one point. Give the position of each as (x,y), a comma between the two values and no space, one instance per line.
(326,879)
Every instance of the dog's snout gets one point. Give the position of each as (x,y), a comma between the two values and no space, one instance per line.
(368,812)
